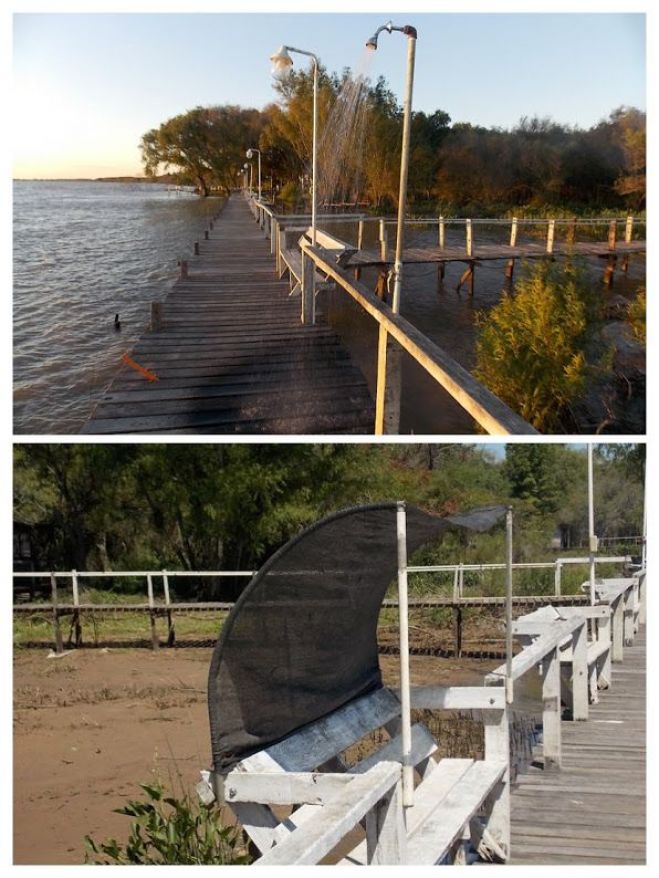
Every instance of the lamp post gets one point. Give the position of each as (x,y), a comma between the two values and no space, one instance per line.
(281,63)
(372,43)
(592,539)
(245,167)
(250,154)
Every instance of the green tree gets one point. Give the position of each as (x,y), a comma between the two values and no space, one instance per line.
(535,474)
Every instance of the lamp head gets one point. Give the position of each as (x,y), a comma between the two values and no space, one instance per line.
(249,153)
(281,62)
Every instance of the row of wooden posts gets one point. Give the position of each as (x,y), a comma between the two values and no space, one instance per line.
(157,607)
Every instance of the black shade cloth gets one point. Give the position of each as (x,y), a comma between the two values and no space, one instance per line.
(301,641)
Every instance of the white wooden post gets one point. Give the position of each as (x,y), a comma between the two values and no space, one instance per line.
(360,235)
(456,584)
(386,838)
(551,709)
(551,229)
(557,578)
(442,233)
(497,749)
(629,227)
(461,580)
(617,624)
(580,672)
(469,238)
(592,539)
(641,597)
(406,727)
(628,617)
(513,232)
(604,636)
(384,248)
(274,225)
(509,605)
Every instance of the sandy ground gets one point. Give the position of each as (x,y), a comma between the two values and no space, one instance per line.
(92,725)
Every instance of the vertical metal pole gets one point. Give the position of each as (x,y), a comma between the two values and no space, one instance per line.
(645,525)
(259,154)
(404,163)
(592,539)
(509,605)
(406,721)
(314,150)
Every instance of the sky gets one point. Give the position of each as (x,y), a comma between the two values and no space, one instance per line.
(87,86)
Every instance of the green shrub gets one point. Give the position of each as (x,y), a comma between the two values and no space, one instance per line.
(531,347)
(169,831)
(636,316)
(290,193)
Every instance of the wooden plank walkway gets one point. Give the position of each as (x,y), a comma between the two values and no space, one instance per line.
(593,810)
(485,252)
(232,355)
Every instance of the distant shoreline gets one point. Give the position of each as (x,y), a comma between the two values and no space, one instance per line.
(163,179)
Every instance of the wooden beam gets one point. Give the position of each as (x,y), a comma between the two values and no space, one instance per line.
(283,787)
(312,841)
(457,698)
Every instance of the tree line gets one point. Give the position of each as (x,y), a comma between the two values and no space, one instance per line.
(454,167)
(229,506)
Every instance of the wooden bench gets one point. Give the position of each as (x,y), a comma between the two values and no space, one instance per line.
(460,809)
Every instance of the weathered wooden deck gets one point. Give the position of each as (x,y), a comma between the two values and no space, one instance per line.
(489,252)
(232,355)
(593,810)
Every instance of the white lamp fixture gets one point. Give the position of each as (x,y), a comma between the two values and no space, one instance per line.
(281,64)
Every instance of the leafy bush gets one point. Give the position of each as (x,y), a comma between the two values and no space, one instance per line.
(636,316)
(170,831)
(531,347)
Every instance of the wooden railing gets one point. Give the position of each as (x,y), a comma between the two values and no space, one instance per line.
(158,602)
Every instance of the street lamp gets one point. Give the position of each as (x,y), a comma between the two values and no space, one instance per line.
(372,43)
(250,155)
(281,64)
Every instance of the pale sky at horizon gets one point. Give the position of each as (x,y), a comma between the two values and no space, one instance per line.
(87,86)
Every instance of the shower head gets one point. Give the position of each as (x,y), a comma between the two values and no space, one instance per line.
(408,30)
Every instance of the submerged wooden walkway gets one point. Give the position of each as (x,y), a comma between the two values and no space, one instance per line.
(232,356)
(591,811)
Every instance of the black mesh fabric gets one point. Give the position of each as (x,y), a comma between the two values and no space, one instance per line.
(301,641)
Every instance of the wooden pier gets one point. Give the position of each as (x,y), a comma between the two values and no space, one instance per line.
(231,354)
(593,810)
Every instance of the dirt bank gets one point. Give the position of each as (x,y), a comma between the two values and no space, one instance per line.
(90,726)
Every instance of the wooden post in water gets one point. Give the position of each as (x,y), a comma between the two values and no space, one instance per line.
(152,613)
(196,248)
(441,230)
(57,628)
(510,265)
(629,228)
(612,259)
(384,245)
(469,238)
(156,316)
(551,231)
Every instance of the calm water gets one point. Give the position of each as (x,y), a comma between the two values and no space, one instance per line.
(86,251)
(82,253)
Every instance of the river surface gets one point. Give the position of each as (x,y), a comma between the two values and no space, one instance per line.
(83,252)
